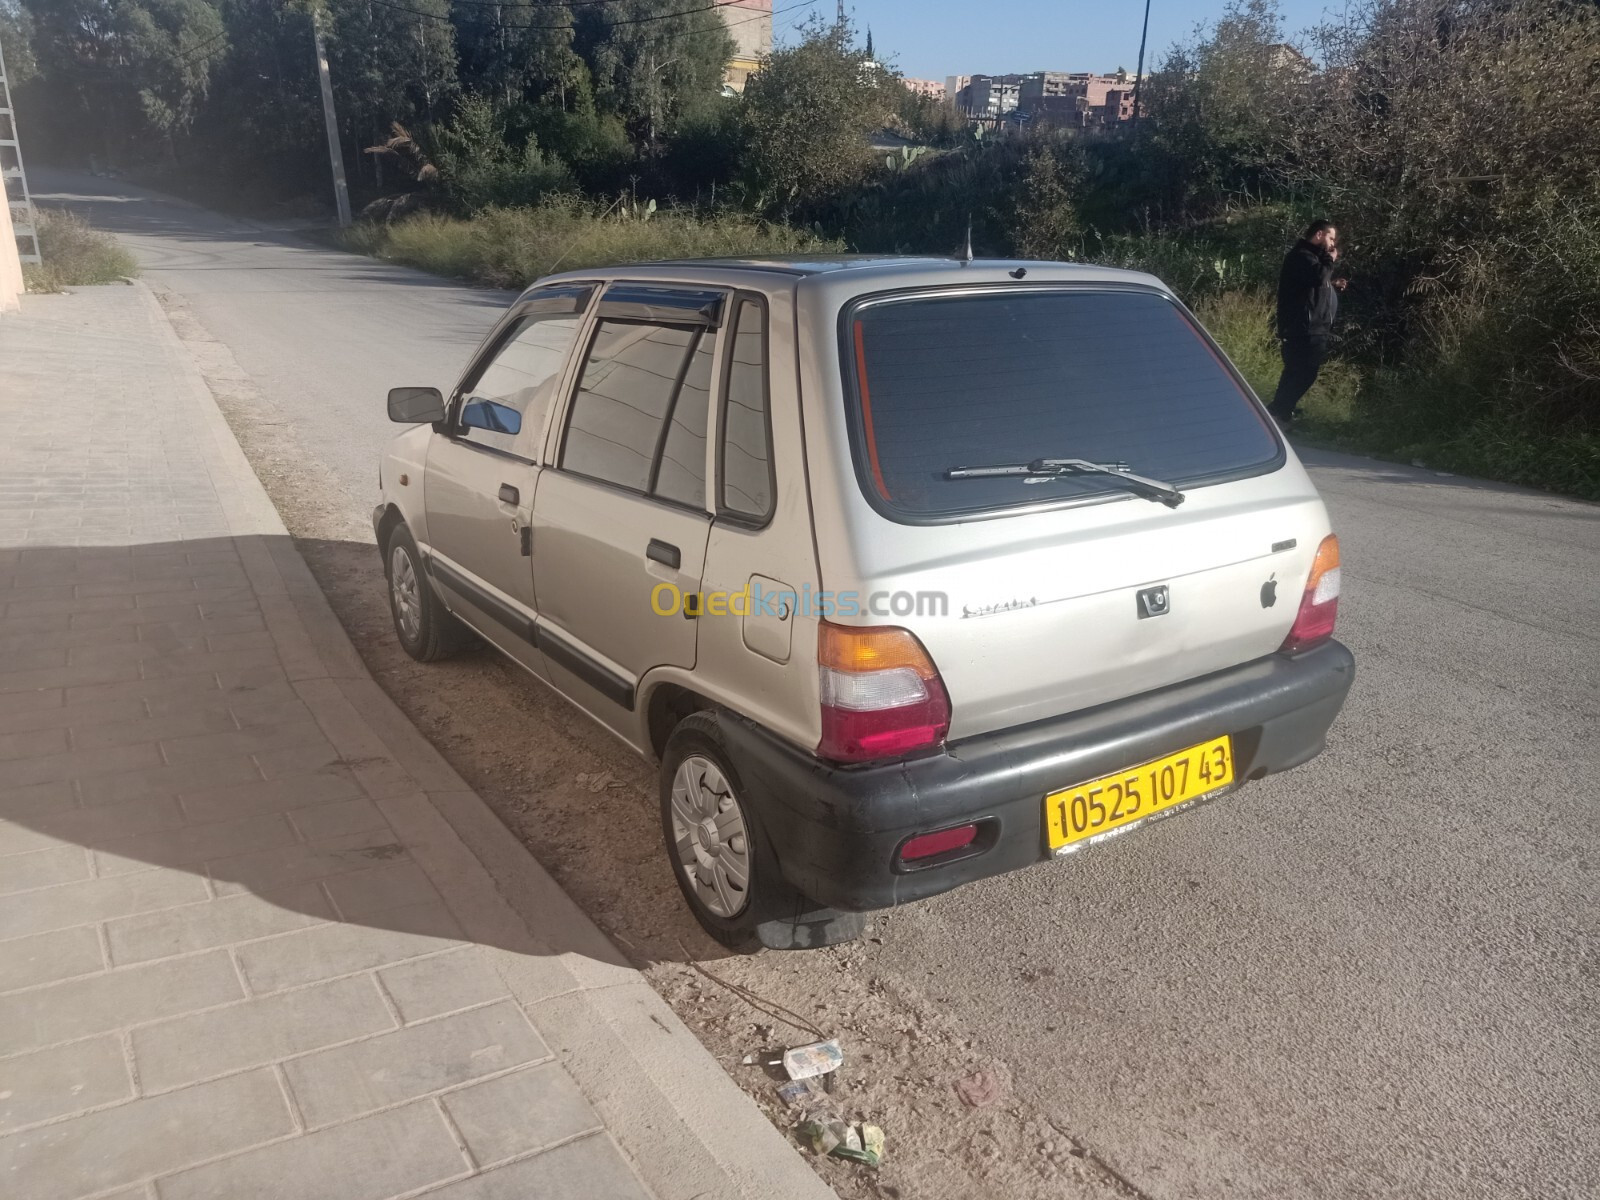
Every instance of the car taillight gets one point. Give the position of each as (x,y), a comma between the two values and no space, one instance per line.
(1319,606)
(881,695)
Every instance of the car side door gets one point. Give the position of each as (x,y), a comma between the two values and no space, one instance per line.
(482,469)
(621,517)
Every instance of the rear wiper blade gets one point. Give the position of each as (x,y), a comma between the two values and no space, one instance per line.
(1042,470)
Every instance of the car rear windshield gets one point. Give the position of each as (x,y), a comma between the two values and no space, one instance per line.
(1006,377)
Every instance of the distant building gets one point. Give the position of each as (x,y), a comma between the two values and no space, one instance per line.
(1078,99)
(1284,57)
(989,96)
(1037,86)
(925,87)
(953,84)
(749,24)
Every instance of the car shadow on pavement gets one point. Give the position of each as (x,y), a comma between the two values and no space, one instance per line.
(177,774)
(585,806)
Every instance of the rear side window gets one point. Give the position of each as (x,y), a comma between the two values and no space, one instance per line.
(639,417)
(1000,378)
(746,451)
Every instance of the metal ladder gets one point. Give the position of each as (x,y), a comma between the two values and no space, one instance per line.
(23,223)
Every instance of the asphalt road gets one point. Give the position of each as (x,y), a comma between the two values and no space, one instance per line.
(1373,976)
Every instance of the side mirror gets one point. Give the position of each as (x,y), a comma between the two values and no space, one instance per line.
(416,405)
(486,414)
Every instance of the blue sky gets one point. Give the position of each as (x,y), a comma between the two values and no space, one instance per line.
(930,39)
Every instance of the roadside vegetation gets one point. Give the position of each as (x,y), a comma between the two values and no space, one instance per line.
(495,148)
(511,247)
(75,255)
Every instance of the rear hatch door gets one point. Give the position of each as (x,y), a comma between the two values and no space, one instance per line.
(1045,593)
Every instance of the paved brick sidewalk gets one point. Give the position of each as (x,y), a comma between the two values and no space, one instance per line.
(256,937)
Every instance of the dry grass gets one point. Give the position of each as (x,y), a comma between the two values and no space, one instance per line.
(75,255)
(511,247)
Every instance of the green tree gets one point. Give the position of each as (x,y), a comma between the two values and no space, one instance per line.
(517,52)
(480,166)
(260,129)
(1457,144)
(16,41)
(808,113)
(388,66)
(133,71)
(1215,108)
(653,60)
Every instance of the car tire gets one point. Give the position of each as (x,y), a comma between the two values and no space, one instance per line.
(426,628)
(722,857)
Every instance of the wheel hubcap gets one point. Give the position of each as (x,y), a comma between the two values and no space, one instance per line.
(709,836)
(407,599)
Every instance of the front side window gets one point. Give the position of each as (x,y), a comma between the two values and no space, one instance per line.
(516,388)
(638,419)
(1007,377)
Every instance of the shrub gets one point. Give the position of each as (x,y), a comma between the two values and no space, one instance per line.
(1433,410)
(1046,222)
(807,113)
(1016,193)
(75,255)
(479,166)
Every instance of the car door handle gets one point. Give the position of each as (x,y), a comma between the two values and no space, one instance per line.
(664,553)
(509,494)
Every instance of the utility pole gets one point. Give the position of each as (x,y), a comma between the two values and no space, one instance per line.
(1138,79)
(341,191)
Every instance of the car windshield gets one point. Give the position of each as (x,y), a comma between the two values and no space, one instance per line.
(966,380)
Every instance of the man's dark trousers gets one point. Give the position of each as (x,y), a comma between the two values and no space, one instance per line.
(1302,359)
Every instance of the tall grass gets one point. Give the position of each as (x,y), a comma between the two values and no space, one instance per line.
(75,255)
(1242,323)
(1433,411)
(511,247)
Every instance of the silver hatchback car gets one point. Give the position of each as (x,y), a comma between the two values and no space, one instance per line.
(908,572)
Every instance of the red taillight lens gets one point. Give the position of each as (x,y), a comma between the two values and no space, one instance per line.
(881,696)
(1319,606)
(929,844)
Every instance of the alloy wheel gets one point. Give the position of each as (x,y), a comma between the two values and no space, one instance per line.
(407,597)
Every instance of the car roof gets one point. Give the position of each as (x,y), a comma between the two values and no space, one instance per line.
(810,264)
(855,271)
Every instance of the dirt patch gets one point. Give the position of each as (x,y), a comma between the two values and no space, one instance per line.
(586,808)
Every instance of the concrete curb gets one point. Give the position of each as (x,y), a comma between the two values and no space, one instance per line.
(687,1128)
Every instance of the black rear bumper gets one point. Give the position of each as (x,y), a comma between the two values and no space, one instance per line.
(837,830)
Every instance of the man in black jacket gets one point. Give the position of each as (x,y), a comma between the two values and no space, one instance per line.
(1308,301)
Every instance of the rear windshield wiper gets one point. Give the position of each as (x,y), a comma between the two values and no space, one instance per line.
(1042,470)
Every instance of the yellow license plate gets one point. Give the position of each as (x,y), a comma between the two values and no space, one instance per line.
(1085,811)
